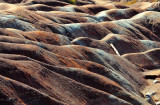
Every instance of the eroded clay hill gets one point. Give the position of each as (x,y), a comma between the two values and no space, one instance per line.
(56,53)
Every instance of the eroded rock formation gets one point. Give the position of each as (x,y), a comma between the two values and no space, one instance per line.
(56,53)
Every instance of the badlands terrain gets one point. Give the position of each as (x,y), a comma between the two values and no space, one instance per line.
(92,52)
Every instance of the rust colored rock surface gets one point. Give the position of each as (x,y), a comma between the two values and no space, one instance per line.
(56,53)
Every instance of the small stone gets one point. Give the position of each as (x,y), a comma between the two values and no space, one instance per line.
(157,103)
(156,81)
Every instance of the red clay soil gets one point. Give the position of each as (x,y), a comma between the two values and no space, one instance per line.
(91,53)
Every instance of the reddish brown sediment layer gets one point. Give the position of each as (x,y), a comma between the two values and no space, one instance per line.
(53,52)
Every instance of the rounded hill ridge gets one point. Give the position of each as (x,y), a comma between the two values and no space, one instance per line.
(79,52)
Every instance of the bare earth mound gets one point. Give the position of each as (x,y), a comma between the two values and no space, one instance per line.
(55,52)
